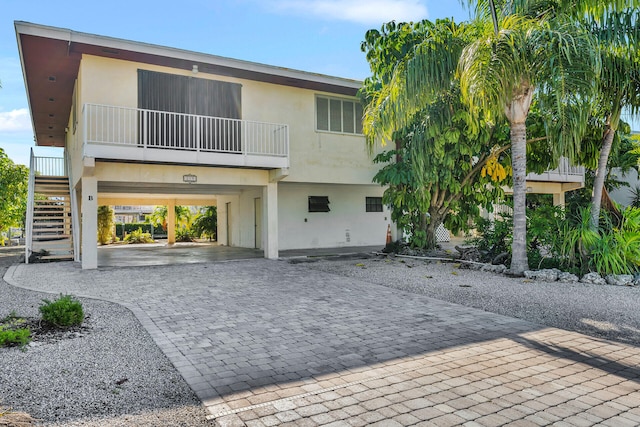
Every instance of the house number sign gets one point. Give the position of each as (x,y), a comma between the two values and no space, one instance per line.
(190,178)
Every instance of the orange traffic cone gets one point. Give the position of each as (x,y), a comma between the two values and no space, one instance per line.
(389,239)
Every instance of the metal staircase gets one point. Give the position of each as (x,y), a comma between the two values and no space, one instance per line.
(49,212)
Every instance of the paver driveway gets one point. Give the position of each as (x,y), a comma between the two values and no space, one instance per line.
(268,343)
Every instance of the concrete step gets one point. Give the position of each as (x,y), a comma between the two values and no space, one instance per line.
(66,257)
(50,237)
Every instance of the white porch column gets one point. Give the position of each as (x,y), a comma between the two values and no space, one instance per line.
(171,222)
(89,206)
(270,220)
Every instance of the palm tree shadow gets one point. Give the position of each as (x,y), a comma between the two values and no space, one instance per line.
(589,358)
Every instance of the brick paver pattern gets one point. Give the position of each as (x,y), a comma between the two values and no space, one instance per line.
(266,343)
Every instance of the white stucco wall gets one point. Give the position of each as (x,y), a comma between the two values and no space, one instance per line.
(624,195)
(347,224)
(319,157)
(321,164)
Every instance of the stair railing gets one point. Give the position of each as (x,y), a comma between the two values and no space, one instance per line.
(28,245)
(75,226)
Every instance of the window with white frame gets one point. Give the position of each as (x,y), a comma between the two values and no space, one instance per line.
(338,115)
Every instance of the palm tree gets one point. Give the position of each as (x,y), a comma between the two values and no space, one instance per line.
(619,85)
(502,72)
(160,214)
(206,223)
(512,58)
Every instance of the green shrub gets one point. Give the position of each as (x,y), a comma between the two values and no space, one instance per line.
(63,312)
(185,235)
(146,228)
(137,236)
(494,236)
(11,337)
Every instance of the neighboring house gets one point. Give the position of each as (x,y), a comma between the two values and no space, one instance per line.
(129,214)
(280,152)
(625,196)
(557,182)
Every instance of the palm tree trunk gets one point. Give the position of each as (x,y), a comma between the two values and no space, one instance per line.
(519,260)
(601,172)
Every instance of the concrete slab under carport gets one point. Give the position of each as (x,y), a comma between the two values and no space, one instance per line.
(198,252)
(163,254)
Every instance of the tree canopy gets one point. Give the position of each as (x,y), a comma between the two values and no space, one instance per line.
(441,155)
(14,182)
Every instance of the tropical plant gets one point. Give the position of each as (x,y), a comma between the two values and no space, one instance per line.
(160,214)
(617,30)
(184,234)
(206,223)
(442,163)
(138,236)
(503,70)
(514,56)
(106,224)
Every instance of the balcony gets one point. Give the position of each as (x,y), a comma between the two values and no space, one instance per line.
(134,134)
(563,173)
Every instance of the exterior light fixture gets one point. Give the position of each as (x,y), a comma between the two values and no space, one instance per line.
(194,70)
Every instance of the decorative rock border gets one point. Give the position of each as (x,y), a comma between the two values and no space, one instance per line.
(553,275)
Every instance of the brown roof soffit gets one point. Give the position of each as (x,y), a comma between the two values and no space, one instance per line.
(183,59)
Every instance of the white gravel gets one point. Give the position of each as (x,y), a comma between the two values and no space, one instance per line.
(602,311)
(74,381)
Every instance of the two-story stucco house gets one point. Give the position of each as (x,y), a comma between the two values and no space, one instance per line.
(279,151)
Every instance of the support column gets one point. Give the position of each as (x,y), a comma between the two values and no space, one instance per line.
(171,222)
(89,205)
(558,199)
(270,220)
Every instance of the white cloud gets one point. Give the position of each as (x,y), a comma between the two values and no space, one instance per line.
(369,12)
(15,121)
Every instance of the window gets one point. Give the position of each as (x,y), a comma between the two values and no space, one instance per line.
(373,204)
(319,204)
(338,115)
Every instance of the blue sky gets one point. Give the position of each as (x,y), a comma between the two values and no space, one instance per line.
(321,36)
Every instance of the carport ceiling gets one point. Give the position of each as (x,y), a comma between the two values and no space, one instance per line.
(205,190)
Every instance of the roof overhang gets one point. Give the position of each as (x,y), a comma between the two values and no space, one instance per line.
(50,59)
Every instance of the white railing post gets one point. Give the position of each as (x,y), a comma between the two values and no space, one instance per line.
(28,245)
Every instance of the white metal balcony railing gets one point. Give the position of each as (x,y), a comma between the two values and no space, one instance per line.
(152,135)
(47,166)
(565,172)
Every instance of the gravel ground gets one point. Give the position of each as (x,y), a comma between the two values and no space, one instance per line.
(602,311)
(73,382)
(110,374)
